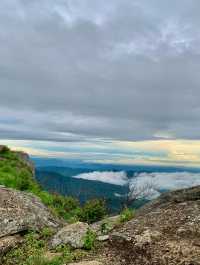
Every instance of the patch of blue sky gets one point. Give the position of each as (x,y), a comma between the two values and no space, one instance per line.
(11,120)
(90,149)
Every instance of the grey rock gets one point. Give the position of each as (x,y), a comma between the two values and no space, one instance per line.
(103,238)
(20,211)
(71,234)
(120,237)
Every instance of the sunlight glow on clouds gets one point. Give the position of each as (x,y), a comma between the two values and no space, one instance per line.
(159,152)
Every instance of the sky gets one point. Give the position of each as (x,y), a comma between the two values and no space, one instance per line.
(101,81)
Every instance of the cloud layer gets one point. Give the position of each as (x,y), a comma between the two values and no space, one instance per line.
(157,180)
(73,70)
(167,181)
(116,178)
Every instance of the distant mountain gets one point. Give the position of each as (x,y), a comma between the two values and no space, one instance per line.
(65,184)
(78,164)
(57,175)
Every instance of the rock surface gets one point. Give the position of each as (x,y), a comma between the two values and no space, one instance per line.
(164,232)
(20,211)
(1,147)
(71,234)
(103,238)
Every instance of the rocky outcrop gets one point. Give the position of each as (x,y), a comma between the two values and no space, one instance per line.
(20,211)
(1,147)
(173,197)
(26,160)
(71,234)
(164,232)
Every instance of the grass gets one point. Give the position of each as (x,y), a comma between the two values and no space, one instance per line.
(126,215)
(32,252)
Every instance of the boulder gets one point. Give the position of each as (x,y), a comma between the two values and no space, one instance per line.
(21,211)
(71,234)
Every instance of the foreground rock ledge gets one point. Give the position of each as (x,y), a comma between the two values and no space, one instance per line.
(21,211)
(163,232)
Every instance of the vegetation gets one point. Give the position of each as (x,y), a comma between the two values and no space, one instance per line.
(93,211)
(126,215)
(89,240)
(34,252)
(17,173)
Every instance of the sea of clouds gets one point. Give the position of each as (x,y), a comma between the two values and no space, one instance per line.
(158,180)
(116,178)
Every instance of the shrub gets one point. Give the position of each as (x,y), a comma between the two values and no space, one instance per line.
(70,203)
(93,211)
(89,240)
(126,215)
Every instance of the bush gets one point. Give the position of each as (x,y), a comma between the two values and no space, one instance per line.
(93,211)
(126,215)
(89,240)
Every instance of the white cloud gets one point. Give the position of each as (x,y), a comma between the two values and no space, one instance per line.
(158,180)
(116,178)
(167,181)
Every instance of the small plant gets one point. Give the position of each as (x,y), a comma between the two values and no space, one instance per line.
(89,240)
(46,232)
(105,228)
(126,215)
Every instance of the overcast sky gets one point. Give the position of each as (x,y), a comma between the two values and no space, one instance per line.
(100,73)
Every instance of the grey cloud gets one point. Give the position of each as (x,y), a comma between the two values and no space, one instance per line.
(119,70)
